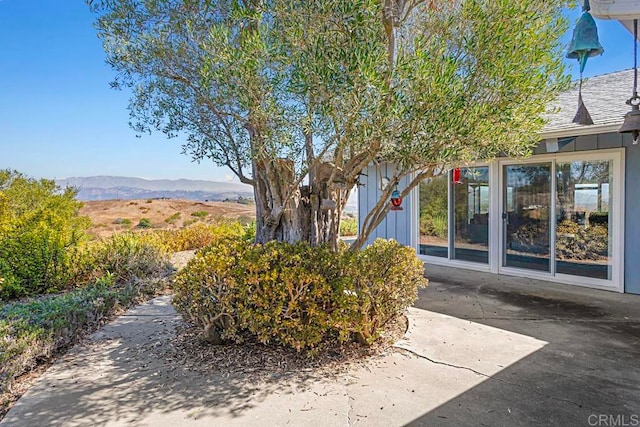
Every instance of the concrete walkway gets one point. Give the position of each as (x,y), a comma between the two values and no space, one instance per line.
(481,350)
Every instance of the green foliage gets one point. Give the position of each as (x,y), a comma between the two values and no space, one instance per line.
(200,214)
(433,207)
(207,292)
(197,236)
(287,294)
(420,85)
(144,223)
(173,218)
(386,277)
(125,257)
(39,229)
(32,331)
(125,222)
(349,226)
(294,294)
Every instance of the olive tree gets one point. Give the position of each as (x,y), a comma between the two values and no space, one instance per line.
(298,97)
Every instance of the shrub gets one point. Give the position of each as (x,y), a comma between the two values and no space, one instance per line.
(287,293)
(144,223)
(125,222)
(39,226)
(207,292)
(348,227)
(31,331)
(173,218)
(197,236)
(188,222)
(386,277)
(200,214)
(294,294)
(126,257)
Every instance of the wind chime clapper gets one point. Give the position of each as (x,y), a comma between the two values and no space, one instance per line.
(631,122)
(583,46)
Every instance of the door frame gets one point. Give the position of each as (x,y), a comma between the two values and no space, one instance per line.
(502,209)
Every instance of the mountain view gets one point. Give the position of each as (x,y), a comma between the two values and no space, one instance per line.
(126,188)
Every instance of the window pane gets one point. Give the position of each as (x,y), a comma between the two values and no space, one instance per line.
(434,223)
(527,201)
(583,219)
(471,198)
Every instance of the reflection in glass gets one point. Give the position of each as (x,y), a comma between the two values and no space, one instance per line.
(471,198)
(527,203)
(434,223)
(583,218)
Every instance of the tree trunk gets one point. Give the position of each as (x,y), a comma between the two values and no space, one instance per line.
(290,213)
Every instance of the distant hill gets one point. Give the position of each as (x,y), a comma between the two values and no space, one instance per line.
(126,188)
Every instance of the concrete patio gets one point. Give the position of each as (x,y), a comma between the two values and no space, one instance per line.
(481,350)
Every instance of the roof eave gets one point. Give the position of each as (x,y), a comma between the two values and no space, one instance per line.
(586,130)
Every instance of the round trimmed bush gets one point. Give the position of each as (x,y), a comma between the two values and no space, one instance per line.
(294,294)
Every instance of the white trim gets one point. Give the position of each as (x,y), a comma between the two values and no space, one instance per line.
(567,279)
(495,219)
(552,219)
(414,215)
(582,131)
(476,266)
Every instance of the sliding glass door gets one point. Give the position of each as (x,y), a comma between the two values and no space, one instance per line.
(583,218)
(526,216)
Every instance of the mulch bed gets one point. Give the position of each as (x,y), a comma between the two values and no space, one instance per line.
(261,362)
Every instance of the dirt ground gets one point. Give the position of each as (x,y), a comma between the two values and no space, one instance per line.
(110,216)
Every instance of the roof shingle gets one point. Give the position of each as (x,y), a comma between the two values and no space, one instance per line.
(604,96)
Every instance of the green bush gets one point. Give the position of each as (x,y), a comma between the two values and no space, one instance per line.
(207,292)
(294,294)
(386,277)
(173,218)
(39,227)
(200,214)
(31,331)
(288,293)
(125,222)
(144,223)
(126,257)
(198,236)
(348,227)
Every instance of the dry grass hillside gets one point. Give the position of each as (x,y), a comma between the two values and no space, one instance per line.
(111,216)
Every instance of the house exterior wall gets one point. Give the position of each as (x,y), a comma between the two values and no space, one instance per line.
(403,225)
(632,217)
(398,224)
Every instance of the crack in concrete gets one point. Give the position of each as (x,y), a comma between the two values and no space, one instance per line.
(350,410)
(489,377)
(478,300)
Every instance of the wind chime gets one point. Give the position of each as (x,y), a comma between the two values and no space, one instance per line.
(632,118)
(584,45)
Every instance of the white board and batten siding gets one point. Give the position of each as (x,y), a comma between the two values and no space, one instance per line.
(397,224)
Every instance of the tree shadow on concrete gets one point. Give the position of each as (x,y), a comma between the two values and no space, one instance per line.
(130,371)
(588,369)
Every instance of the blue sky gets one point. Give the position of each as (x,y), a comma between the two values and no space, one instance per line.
(59,118)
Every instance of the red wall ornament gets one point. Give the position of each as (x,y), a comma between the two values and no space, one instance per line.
(396,201)
(457,179)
